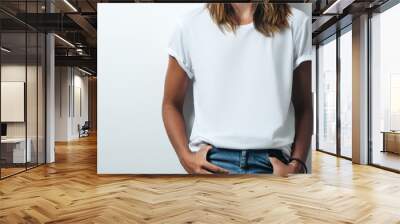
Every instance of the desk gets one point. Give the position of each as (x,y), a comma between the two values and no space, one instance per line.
(391,141)
(13,150)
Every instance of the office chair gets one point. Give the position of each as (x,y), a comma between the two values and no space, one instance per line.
(84,130)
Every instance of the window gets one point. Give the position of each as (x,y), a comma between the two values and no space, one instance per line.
(385,89)
(327,97)
(346,94)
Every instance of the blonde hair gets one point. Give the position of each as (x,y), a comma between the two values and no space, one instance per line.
(268,18)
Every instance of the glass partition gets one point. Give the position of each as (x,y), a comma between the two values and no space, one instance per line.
(14,153)
(22,101)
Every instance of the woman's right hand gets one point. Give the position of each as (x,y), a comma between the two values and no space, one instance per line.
(196,162)
(280,169)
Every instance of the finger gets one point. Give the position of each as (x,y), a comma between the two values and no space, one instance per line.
(205,148)
(275,160)
(204,151)
(214,168)
(281,175)
(203,171)
(280,172)
(272,158)
(279,168)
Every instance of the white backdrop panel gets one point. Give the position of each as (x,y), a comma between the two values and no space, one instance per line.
(132,59)
(12,101)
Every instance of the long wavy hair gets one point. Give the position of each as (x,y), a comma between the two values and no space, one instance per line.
(268,18)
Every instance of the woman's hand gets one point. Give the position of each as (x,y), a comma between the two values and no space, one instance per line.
(283,170)
(196,162)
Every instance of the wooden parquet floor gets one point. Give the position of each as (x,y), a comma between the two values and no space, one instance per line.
(70,191)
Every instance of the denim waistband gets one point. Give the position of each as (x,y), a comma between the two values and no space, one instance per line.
(271,152)
(244,153)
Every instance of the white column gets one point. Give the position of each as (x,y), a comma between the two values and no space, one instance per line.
(50,99)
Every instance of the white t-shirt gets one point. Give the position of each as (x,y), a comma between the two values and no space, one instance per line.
(242,82)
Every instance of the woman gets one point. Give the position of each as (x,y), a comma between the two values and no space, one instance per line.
(251,72)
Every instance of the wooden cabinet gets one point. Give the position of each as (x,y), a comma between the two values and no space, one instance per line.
(391,142)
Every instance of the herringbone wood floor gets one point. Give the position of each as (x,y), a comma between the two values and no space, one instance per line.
(70,191)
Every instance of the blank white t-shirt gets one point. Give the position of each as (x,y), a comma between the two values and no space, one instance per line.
(242,82)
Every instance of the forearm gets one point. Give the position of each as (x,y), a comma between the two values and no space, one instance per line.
(304,129)
(175,126)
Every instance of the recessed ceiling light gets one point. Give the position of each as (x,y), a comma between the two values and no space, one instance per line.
(84,71)
(65,41)
(70,5)
(5,50)
(338,6)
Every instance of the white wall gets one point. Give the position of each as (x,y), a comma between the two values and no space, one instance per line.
(67,117)
(132,61)
(18,73)
(81,83)
(61,103)
(15,73)
(33,127)
(12,100)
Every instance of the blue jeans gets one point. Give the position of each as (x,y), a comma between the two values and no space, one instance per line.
(244,161)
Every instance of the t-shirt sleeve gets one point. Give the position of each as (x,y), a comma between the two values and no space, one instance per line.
(302,41)
(179,49)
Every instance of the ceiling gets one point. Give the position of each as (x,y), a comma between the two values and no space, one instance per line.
(76,22)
